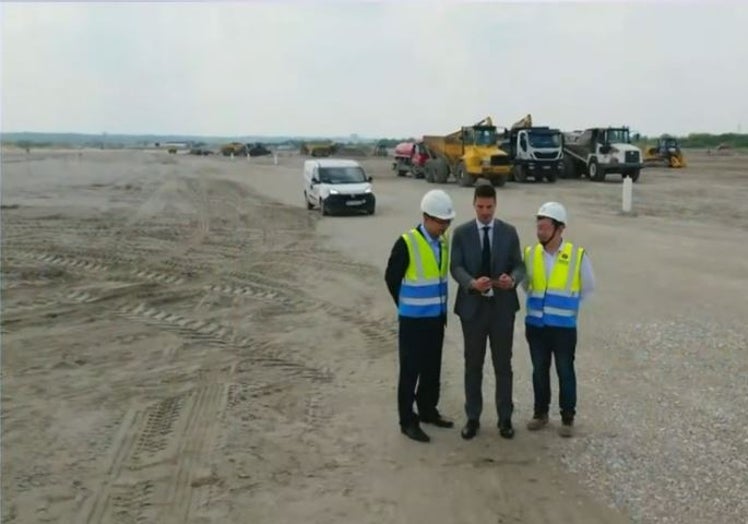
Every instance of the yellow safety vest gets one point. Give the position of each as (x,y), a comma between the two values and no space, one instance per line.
(554,302)
(423,292)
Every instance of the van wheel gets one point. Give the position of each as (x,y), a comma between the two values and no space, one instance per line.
(309,205)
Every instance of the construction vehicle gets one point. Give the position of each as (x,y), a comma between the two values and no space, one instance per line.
(599,151)
(234,149)
(535,151)
(315,149)
(467,154)
(667,152)
(410,158)
(258,149)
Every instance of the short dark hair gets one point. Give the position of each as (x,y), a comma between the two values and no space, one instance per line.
(484,190)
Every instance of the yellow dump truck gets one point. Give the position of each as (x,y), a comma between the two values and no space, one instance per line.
(468,154)
(322,148)
(234,148)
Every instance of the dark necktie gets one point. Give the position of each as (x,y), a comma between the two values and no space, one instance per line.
(486,256)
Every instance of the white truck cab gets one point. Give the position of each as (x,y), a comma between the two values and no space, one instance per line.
(335,185)
(598,151)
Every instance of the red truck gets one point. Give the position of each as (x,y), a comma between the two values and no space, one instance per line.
(410,157)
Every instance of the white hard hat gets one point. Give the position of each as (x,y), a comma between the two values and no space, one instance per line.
(553,210)
(436,203)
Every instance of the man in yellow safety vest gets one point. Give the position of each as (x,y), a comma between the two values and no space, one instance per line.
(559,276)
(417,278)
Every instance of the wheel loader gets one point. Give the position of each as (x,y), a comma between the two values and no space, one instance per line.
(667,152)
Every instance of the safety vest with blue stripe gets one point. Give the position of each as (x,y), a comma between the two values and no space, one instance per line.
(553,301)
(423,292)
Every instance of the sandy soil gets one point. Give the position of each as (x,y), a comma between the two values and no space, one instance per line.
(182,341)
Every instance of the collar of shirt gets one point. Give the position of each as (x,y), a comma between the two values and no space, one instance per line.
(429,238)
(554,253)
(433,242)
(481,225)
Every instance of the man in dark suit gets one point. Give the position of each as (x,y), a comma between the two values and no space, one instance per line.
(487,264)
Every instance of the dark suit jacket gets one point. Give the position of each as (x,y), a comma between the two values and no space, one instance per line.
(506,257)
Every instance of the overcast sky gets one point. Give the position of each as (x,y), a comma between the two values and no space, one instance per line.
(376,69)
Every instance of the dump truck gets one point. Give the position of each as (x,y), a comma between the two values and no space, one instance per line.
(535,151)
(599,151)
(468,154)
(410,158)
(666,152)
(234,149)
(258,149)
(321,148)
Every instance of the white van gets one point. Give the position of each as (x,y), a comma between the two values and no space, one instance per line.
(337,185)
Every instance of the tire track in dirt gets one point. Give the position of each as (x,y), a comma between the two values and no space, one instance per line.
(218,335)
(104,265)
(176,434)
(379,334)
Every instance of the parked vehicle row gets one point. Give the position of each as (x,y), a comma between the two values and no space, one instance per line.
(522,152)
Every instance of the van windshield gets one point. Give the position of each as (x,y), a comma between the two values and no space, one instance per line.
(341,175)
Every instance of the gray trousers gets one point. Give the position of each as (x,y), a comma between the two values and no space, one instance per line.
(496,327)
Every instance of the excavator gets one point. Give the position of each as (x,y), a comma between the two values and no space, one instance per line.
(667,152)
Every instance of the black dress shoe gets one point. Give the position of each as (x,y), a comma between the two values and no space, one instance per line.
(505,429)
(415,432)
(438,421)
(470,429)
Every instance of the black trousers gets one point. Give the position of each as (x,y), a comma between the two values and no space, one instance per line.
(420,343)
(496,326)
(559,343)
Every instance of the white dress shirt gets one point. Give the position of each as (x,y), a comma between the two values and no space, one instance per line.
(481,225)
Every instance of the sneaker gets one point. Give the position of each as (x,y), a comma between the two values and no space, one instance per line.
(567,428)
(537,422)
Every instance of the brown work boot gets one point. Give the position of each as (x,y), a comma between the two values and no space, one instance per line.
(566,429)
(537,422)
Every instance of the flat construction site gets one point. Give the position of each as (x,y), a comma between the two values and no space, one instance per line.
(183,341)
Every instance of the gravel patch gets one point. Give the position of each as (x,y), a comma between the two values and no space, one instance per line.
(663,432)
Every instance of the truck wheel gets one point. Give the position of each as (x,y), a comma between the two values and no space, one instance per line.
(441,171)
(596,174)
(499,181)
(429,171)
(570,168)
(463,178)
(401,172)
(519,174)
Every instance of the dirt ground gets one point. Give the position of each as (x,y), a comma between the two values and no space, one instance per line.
(183,341)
